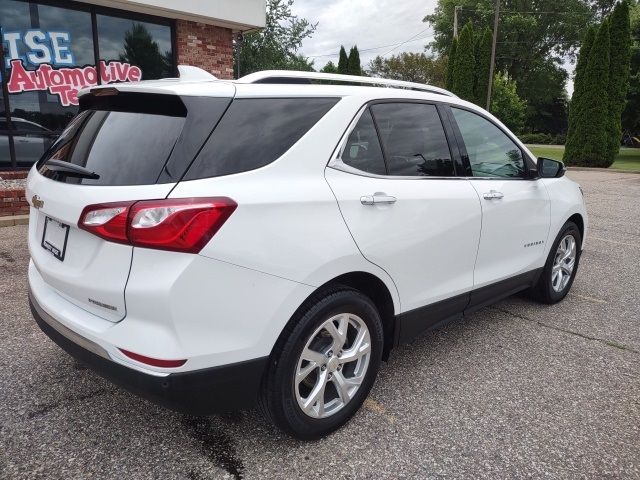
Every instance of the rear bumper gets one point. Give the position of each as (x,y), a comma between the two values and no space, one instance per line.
(198,392)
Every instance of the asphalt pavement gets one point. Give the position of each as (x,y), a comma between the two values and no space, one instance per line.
(516,390)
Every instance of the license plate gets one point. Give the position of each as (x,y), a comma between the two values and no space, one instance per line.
(54,237)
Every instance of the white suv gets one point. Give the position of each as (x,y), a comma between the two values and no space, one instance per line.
(215,244)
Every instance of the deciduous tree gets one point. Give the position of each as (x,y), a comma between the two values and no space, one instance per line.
(506,104)
(410,67)
(275,46)
(534,39)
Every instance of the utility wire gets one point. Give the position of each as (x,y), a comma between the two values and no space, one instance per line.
(376,48)
(406,41)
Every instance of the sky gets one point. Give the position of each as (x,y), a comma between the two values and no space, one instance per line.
(378,27)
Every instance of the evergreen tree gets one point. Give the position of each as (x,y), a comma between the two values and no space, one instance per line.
(573,144)
(354,62)
(620,33)
(483,66)
(463,69)
(592,122)
(450,63)
(343,62)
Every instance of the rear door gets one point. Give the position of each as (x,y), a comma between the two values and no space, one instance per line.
(138,145)
(515,207)
(406,209)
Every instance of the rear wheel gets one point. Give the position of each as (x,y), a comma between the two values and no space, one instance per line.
(324,364)
(561,266)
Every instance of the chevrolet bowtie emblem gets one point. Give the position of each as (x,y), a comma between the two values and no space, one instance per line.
(36,202)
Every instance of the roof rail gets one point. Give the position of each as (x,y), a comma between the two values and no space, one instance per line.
(288,76)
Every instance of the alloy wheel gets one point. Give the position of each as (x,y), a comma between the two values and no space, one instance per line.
(564,263)
(332,365)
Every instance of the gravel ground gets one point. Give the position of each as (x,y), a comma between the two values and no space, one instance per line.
(517,390)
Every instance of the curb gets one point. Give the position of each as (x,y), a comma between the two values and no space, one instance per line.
(610,170)
(12,220)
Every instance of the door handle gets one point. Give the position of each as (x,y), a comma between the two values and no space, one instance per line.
(493,195)
(377,198)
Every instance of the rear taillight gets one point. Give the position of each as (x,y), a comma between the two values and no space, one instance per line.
(181,225)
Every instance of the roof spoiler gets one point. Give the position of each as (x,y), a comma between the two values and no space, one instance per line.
(187,73)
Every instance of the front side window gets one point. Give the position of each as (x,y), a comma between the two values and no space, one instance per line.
(414,140)
(491,152)
(363,150)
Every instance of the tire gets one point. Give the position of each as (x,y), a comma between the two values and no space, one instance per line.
(546,289)
(282,397)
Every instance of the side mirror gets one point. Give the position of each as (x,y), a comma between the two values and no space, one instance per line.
(548,168)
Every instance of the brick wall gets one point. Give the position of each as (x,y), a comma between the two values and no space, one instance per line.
(12,199)
(205,46)
(13,202)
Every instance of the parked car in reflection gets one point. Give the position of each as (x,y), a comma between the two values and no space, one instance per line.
(30,139)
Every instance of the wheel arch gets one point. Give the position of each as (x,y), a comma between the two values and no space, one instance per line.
(579,221)
(368,284)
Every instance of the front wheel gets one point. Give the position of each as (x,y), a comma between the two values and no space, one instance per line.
(324,364)
(561,266)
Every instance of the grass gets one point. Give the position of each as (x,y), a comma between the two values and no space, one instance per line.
(628,158)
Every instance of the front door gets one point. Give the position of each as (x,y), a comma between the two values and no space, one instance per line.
(515,208)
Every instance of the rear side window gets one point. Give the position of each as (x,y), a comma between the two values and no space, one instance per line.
(414,141)
(363,150)
(255,132)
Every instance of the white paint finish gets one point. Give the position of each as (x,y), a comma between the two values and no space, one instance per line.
(92,267)
(287,237)
(566,201)
(426,241)
(236,14)
(520,218)
(182,306)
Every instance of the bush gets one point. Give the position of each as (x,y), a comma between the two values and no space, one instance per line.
(536,138)
(543,139)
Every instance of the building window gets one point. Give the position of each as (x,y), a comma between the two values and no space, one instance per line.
(141,44)
(49,55)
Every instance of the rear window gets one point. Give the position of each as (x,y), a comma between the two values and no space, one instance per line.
(134,140)
(255,132)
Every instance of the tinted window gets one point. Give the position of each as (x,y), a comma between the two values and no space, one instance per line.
(124,148)
(414,140)
(491,152)
(363,150)
(255,132)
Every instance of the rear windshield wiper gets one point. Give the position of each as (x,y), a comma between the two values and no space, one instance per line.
(71,169)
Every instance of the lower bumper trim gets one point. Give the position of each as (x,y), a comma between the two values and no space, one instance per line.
(200,392)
